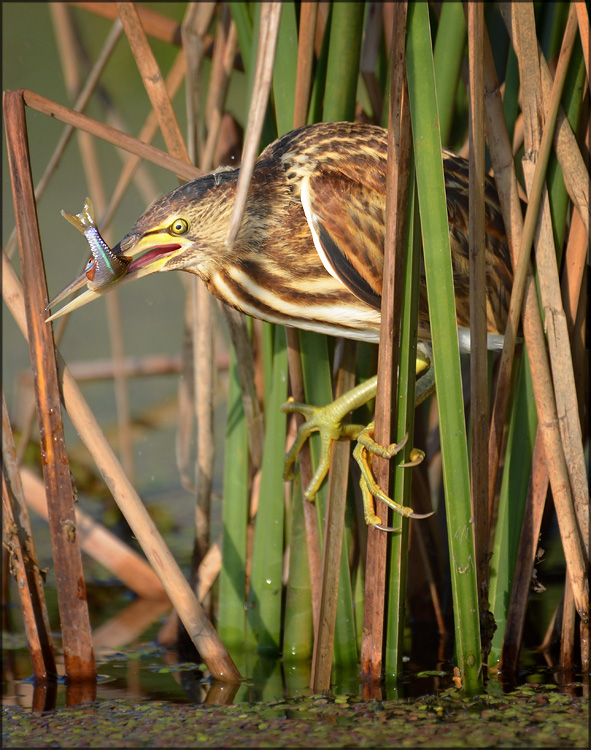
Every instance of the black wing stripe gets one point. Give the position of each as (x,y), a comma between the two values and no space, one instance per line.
(345,271)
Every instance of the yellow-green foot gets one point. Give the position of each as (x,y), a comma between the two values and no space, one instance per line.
(328,422)
(364,451)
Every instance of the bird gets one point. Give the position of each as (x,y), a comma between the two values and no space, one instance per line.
(310,254)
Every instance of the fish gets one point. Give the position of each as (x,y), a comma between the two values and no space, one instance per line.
(104,267)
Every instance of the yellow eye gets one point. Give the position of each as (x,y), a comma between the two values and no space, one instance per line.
(179,226)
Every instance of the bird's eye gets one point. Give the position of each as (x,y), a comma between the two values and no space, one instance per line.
(179,226)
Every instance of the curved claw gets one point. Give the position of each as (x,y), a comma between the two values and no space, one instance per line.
(365,449)
(416,457)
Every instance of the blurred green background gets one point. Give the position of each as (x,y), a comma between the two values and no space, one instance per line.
(151,312)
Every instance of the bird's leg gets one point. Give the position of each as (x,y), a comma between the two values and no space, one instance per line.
(366,448)
(328,422)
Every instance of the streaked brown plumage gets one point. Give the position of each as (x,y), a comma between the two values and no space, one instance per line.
(274,271)
(310,249)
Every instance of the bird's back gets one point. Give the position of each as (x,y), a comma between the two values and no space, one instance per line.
(338,171)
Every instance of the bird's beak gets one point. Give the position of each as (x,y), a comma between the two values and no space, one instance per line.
(154,249)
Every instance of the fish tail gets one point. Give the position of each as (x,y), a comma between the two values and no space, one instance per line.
(84,220)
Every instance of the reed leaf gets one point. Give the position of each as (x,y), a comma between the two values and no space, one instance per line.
(446,360)
(398,551)
(298,628)
(232,589)
(265,595)
(514,486)
(448,55)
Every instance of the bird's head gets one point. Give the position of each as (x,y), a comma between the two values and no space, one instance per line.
(184,230)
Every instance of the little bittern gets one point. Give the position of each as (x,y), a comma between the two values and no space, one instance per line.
(310,249)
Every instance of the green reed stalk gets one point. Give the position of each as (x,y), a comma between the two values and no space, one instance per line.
(298,633)
(446,359)
(265,595)
(406,419)
(450,46)
(231,614)
(514,486)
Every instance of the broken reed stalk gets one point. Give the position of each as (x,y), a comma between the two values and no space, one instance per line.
(399,147)
(110,135)
(568,153)
(479,423)
(17,538)
(174,80)
(537,148)
(198,626)
(75,622)
(538,489)
(153,80)
(199,317)
(269,29)
(155,24)
(216,96)
(65,35)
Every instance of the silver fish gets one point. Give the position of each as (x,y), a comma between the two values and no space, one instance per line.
(104,267)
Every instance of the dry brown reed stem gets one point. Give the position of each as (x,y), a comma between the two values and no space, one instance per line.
(66,46)
(567,630)
(399,149)
(155,24)
(198,626)
(203,360)
(583,19)
(197,20)
(77,642)
(555,319)
(174,80)
(334,524)
(479,422)
(308,16)
(221,71)
(109,134)
(537,148)
(128,624)
(572,277)
(574,269)
(156,364)
(269,28)
(568,153)
(267,42)
(101,544)
(17,538)
(507,187)
(81,103)
(65,36)
(303,86)
(153,81)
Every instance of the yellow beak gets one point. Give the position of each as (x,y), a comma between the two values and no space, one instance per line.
(157,248)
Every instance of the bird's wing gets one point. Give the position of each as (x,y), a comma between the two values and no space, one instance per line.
(347,221)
